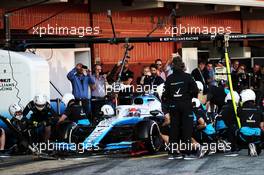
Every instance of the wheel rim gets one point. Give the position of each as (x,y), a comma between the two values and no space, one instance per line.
(155,137)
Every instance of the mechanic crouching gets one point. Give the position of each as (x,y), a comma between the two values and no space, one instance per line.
(20,125)
(179,90)
(252,124)
(226,124)
(198,125)
(42,117)
(72,115)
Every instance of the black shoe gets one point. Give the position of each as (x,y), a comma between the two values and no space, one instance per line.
(190,157)
(175,156)
(4,154)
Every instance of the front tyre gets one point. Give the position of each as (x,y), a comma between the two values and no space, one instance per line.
(149,132)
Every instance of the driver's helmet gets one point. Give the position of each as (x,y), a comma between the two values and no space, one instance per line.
(16,111)
(107,110)
(134,112)
(40,101)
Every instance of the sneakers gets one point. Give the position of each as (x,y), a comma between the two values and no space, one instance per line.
(252,150)
(201,152)
(231,154)
(175,156)
(4,155)
(190,157)
(211,152)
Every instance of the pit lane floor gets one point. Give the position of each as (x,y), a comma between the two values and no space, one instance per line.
(120,164)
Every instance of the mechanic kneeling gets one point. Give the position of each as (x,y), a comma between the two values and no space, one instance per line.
(72,114)
(226,124)
(198,126)
(41,118)
(252,124)
(179,90)
(18,136)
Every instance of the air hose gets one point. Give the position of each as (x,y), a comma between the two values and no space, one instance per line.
(226,38)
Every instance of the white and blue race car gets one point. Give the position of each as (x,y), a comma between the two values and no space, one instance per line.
(131,127)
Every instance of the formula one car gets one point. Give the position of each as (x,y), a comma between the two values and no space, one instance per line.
(131,127)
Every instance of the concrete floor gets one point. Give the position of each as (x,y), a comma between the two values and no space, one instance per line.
(119,164)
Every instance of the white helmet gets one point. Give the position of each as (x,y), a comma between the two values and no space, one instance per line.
(236,96)
(16,111)
(40,101)
(200,85)
(67,98)
(108,110)
(197,102)
(247,95)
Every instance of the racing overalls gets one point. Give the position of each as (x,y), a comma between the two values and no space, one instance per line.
(250,118)
(39,116)
(227,114)
(216,95)
(205,135)
(40,120)
(197,115)
(74,112)
(179,90)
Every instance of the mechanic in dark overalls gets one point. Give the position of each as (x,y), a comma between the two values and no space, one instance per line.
(252,123)
(179,90)
(41,118)
(228,116)
(71,116)
(73,111)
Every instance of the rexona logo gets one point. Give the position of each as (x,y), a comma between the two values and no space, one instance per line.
(6,85)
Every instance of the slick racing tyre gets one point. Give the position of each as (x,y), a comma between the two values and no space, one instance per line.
(149,133)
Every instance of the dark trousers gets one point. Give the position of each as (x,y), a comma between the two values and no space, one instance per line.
(181,126)
(244,140)
(201,137)
(231,132)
